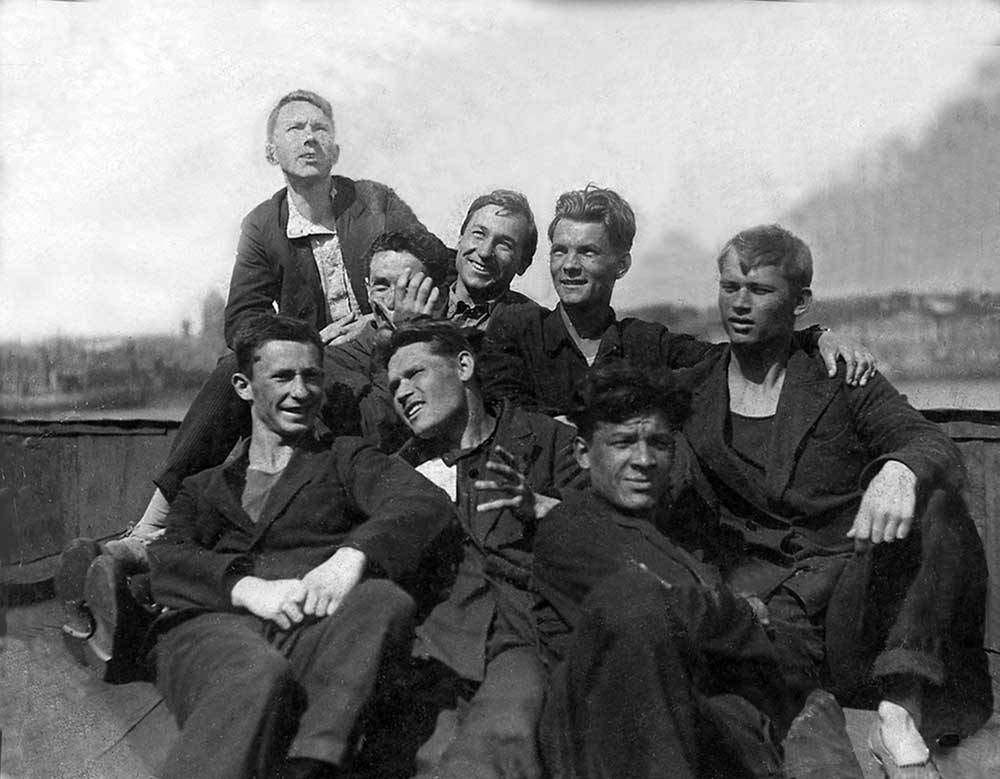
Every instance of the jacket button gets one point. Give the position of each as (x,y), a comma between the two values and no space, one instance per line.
(751,525)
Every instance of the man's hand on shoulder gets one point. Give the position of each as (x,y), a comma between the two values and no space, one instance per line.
(328,584)
(887,507)
(861,364)
(345,329)
(278,600)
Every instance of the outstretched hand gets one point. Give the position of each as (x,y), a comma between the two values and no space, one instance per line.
(887,507)
(416,295)
(514,491)
(860,363)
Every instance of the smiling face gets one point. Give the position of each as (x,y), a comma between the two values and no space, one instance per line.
(491,252)
(284,388)
(583,264)
(428,389)
(629,462)
(758,306)
(302,143)
(386,268)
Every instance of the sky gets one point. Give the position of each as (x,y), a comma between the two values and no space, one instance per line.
(132,134)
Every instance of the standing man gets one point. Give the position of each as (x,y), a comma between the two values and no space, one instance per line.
(276,621)
(843,503)
(535,357)
(476,669)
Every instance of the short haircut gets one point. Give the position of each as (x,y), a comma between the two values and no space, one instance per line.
(433,255)
(298,96)
(510,203)
(264,328)
(614,391)
(444,338)
(603,206)
(771,245)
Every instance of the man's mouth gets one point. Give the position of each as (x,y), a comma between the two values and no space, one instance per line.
(480,268)
(573,282)
(743,323)
(412,409)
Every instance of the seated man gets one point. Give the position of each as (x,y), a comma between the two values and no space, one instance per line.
(276,623)
(476,670)
(535,357)
(660,670)
(300,251)
(841,507)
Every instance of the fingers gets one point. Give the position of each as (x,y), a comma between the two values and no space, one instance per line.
(499,503)
(850,370)
(867,366)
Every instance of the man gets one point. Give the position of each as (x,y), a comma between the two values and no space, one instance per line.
(302,251)
(476,669)
(275,625)
(842,504)
(659,670)
(535,357)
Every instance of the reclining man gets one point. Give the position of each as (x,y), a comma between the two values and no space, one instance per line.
(475,660)
(535,357)
(659,669)
(302,251)
(843,510)
(277,623)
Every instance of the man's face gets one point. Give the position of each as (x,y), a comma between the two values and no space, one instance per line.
(491,251)
(629,463)
(386,268)
(428,389)
(583,265)
(302,143)
(758,307)
(285,387)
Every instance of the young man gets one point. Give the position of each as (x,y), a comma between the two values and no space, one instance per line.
(535,357)
(843,501)
(476,664)
(275,623)
(659,670)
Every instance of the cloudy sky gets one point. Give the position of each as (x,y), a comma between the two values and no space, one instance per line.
(132,133)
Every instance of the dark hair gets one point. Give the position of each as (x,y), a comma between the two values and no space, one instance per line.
(510,203)
(433,255)
(604,206)
(443,337)
(264,328)
(298,96)
(615,390)
(771,245)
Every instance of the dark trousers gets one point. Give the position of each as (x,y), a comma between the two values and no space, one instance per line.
(438,724)
(247,695)
(917,608)
(679,682)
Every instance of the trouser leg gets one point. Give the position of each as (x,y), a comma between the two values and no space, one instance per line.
(660,682)
(495,736)
(234,696)
(341,660)
(212,426)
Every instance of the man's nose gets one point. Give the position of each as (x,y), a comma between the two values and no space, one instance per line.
(642,456)
(571,264)
(742,299)
(299,388)
(485,249)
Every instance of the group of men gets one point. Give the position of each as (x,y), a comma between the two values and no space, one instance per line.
(417,524)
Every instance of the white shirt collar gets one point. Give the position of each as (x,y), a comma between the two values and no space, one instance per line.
(300,227)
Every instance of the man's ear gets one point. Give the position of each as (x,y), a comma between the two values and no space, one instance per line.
(269,153)
(581,453)
(624,263)
(466,366)
(241,383)
(803,300)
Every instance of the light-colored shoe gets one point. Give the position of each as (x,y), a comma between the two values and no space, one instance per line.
(877,745)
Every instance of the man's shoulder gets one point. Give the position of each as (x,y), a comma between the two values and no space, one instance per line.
(575,518)
(521,315)
(537,423)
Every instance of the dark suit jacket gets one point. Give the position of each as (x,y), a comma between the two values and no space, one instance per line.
(583,541)
(347,494)
(271,268)
(828,440)
(529,359)
(487,605)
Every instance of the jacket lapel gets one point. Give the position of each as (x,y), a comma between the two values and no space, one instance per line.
(356,228)
(301,469)
(806,393)
(706,430)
